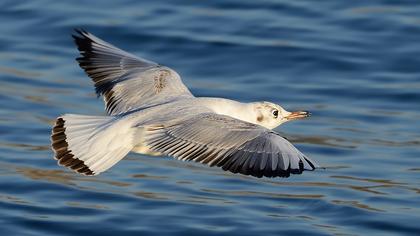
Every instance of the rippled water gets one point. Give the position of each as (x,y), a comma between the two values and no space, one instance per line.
(354,65)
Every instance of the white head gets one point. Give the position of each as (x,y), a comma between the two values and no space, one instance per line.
(271,115)
(266,114)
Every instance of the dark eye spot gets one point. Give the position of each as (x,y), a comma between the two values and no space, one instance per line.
(275,113)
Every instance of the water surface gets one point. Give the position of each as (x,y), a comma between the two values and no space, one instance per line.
(354,65)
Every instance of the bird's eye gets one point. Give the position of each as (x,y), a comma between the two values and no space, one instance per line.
(275,113)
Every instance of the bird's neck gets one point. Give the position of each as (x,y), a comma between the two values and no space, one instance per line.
(235,109)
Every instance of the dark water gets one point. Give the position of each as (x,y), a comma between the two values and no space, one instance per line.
(354,65)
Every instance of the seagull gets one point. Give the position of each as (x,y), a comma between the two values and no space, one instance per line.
(150,111)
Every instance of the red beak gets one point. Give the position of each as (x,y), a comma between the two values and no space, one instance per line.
(298,115)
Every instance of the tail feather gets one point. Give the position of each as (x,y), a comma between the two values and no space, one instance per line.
(90,145)
(62,152)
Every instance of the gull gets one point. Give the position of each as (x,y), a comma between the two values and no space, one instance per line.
(150,111)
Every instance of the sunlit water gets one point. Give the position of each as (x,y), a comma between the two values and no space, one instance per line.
(355,66)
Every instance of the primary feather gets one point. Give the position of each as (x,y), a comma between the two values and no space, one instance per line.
(125,81)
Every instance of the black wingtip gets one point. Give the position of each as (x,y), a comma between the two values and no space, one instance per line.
(82,39)
(79,32)
(84,45)
(78,37)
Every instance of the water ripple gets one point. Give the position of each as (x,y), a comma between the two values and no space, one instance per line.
(354,65)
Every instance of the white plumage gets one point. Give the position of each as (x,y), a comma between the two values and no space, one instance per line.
(152,111)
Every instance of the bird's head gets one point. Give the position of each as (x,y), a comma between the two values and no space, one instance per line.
(271,115)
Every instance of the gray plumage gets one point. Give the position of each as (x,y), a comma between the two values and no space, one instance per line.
(125,81)
(219,140)
(152,111)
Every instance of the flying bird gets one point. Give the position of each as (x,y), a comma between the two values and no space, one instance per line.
(150,111)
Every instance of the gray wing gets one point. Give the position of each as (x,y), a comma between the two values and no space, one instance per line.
(125,81)
(234,145)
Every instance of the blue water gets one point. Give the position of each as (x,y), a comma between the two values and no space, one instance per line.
(354,64)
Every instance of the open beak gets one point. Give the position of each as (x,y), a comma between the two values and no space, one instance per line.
(297,115)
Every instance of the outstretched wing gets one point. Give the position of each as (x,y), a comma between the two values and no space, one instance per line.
(234,145)
(125,81)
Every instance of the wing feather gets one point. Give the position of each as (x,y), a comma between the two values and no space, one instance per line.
(125,81)
(231,144)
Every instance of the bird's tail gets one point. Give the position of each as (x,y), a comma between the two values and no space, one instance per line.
(91,144)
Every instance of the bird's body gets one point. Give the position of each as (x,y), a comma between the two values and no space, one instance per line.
(152,112)
(179,110)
